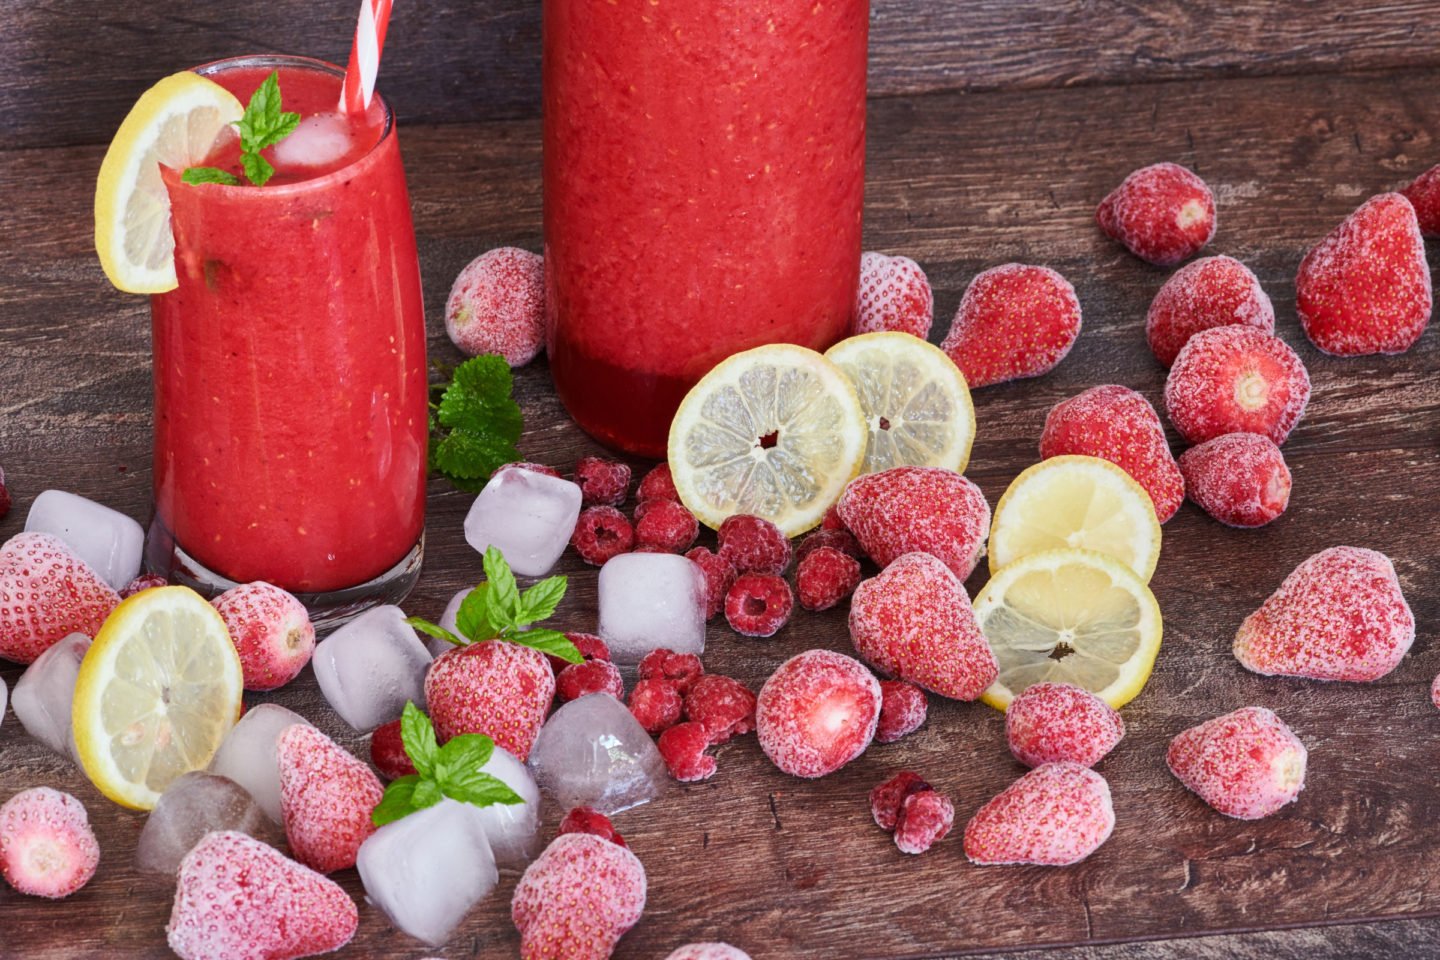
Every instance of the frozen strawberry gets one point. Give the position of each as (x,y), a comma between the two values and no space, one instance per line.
(903,709)
(497,305)
(893,294)
(46,593)
(1246,764)
(758,605)
(1340,615)
(1239,479)
(1162,213)
(533,468)
(838,539)
(817,712)
(602,533)
(1055,815)
(914,621)
(683,747)
(146,581)
(725,707)
(1014,321)
(1117,424)
(592,676)
(888,798)
(657,485)
(602,482)
(1236,380)
(271,630)
(825,577)
(387,752)
(657,704)
(577,899)
(326,797)
(1048,722)
(240,899)
(719,574)
(708,951)
(590,646)
(1423,194)
(1211,292)
(924,509)
(665,525)
(680,669)
(753,545)
(591,821)
(1366,288)
(926,817)
(500,689)
(47,848)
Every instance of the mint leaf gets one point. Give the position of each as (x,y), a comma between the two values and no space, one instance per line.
(502,601)
(476,423)
(471,619)
(551,642)
(417,735)
(539,602)
(264,124)
(434,630)
(427,793)
(463,753)
(209,175)
(257,169)
(481,789)
(396,802)
(450,771)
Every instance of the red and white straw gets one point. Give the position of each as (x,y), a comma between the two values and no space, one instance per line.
(365,55)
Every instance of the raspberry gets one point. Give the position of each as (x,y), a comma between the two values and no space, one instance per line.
(1211,292)
(657,485)
(817,712)
(683,749)
(758,605)
(680,669)
(918,509)
(602,533)
(1423,194)
(602,482)
(1055,815)
(925,818)
(592,676)
(1048,721)
(831,520)
(656,704)
(539,468)
(893,294)
(1162,213)
(387,752)
(1246,764)
(1239,479)
(754,545)
(887,799)
(825,577)
(591,821)
(1236,380)
(1014,321)
(725,707)
(902,710)
(719,573)
(145,581)
(841,539)
(497,305)
(665,525)
(590,646)
(47,848)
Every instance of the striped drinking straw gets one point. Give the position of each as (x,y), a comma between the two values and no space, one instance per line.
(365,55)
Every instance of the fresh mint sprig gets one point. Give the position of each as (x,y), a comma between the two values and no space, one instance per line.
(450,771)
(262,126)
(475,424)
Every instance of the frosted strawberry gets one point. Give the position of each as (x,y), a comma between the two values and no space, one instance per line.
(1162,213)
(708,951)
(1366,288)
(1117,424)
(387,752)
(271,630)
(918,509)
(1246,764)
(497,305)
(914,621)
(1239,479)
(47,848)
(893,294)
(46,593)
(1424,195)
(1014,321)
(1049,722)
(1055,815)
(1236,380)
(1211,292)
(326,797)
(500,689)
(577,899)
(817,712)
(903,709)
(1339,616)
(240,899)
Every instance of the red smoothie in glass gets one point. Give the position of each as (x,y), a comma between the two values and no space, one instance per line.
(289,364)
(704,177)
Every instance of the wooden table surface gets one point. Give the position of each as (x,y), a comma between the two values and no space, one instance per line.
(960,181)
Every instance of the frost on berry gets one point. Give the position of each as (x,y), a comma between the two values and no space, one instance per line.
(753,545)
(1211,292)
(1016,320)
(893,294)
(719,574)
(592,676)
(665,526)
(680,669)
(1240,479)
(601,533)
(1162,213)
(1246,764)
(497,305)
(926,817)
(47,848)
(902,710)
(817,712)
(918,509)
(657,485)
(825,577)
(656,703)
(591,821)
(603,482)
(683,749)
(758,605)
(723,705)
(887,798)
(577,899)
(1055,815)
(1048,722)
(1236,380)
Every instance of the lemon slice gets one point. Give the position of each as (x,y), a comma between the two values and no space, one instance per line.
(1081,502)
(916,402)
(1069,616)
(776,432)
(157,691)
(174,123)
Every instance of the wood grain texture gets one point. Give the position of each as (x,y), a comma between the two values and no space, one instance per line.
(795,869)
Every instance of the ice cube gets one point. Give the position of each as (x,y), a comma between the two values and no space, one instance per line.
(593,752)
(512,828)
(193,805)
(46,690)
(107,540)
(368,668)
(651,600)
(435,645)
(528,516)
(320,140)
(247,754)
(426,870)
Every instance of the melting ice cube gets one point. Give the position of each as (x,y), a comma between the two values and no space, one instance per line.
(247,754)
(193,805)
(320,140)
(107,540)
(528,516)
(368,668)
(651,600)
(593,752)
(512,828)
(46,690)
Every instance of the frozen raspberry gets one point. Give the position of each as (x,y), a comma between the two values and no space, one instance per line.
(591,821)
(602,533)
(146,581)
(326,797)
(577,899)
(1014,321)
(656,704)
(683,749)
(1366,287)
(387,752)
(817,712)
(758,605)
(1211,292)
(708,951)
(1246,764)
(4,496)
(1163,214)
(46,594)
(914,621)
(887,799)
(1117,424)
(497,305)
(893,294)
(842,540)
(1236,380)
(1239,479)
(753,545)
(831,520)
(665,526)
(271,630)
(590,646)
(47,848)
(681,669)
(925,818)
(1423,194)
(825,577)
(1340,615)
(657,485)
(724,706)
(602,482)
(902,710)
(533,468)
(592,676)
(1055,815)
(719,573)
(1047,722)
(925,509)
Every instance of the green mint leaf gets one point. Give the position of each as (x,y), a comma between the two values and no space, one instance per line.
(417,735)
(481,789)
(551,642)
(539,602)
(460,755)
(467,459)
(503,598)
(476,423)
(262,126)
(427,793)
(209,175)
(257,169)
(434,630)
(471,619)
(396,802)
